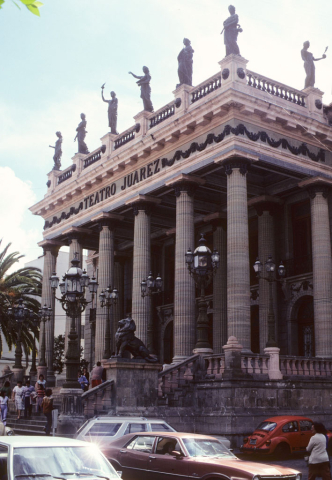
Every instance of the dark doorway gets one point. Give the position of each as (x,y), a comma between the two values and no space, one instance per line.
(168,343)
(306,328)
(254,321)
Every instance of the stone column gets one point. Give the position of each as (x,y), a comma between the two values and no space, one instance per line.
(266,208)
(105,279)
(50,256)
(322,269)
(220,287)
(118,308)
(184,285)
(238,278)
(141,307)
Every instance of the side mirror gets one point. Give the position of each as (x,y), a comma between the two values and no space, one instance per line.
(177,454)
(119,473)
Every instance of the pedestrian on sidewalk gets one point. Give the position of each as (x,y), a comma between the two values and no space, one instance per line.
(96,375)
(27,390)
(47,405)
(3,406)
(319,463)
(18,398)
(40,396)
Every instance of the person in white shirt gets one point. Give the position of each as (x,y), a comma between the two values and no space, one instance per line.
(319,463)
(3,406)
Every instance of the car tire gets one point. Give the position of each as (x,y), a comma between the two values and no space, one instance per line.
(282,451)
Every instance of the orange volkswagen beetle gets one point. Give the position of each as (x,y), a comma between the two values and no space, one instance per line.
(281,436)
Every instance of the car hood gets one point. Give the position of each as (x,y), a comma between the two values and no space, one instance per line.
(249,467)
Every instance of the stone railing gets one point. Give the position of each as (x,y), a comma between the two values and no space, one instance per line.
(176,377)
(127,136)
(316,367)
(7,377)
(208,86)
(94,157)
(277,89)
(98,400)
(216,366)
(66,174)
(165,112)
(255,363)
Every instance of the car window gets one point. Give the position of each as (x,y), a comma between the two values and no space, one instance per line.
(141,444)
(160,427)
(135,428)
(305,425)
(266,426)
(100,429)
(290,427)
(166,445)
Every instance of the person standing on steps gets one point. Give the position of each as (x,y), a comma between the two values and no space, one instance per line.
(3,406)
(18,398)
(27,390)
(47,405)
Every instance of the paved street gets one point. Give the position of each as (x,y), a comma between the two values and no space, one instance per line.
(296,461)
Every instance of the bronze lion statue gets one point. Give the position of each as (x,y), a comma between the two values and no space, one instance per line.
(125,339)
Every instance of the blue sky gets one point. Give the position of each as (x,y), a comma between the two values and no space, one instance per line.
(52,69)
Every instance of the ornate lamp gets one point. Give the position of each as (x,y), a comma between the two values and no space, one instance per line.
(108,298)
(151,286)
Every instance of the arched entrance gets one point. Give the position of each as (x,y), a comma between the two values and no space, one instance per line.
(168,343)
(306,327)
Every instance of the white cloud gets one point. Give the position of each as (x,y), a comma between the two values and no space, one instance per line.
(17,224)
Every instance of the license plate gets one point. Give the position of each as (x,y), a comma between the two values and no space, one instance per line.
(253,441)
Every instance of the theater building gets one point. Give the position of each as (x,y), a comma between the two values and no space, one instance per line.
(241,158)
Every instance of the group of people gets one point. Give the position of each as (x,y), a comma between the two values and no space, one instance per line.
(25,397)
(98,376)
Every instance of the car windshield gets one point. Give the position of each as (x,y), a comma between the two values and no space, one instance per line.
(206,448)
(267,426)
(63,462)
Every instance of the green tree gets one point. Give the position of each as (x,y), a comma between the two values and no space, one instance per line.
(58,353)
(23,283)
(32,5)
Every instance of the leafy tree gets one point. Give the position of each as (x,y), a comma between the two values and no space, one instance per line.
(59,353)
(23,283)
(31,5)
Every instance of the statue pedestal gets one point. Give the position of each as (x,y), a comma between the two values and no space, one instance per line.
(135,384)
(109,140)
(314,102)
(71,417)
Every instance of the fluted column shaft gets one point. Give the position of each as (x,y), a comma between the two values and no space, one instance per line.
(184,285)
(220,290)
(238,278)
(141,307)
(322,270)
(118,308)
(266,247)
(74,247)
(105,279)
(50,256)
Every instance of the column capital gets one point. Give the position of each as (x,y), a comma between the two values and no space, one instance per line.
(243,164)
(50,246)
(143,203)
(265,203)
(105,219)
(185,183)
(216,219)
(317,185)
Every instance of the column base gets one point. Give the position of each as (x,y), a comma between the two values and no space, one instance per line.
(18,374)
(202,351)
(71,417)
(274,368)
(179,358)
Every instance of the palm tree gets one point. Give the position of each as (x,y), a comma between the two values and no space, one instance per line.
(23,283)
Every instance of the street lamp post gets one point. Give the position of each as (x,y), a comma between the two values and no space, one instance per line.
(107,299)
(151,286)
(73,302)
(270,268)
(44,315)
(19,313)
(202,264)
(33,369)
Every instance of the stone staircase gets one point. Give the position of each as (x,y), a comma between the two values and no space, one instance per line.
(35,424)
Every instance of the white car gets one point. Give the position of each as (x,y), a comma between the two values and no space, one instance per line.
(61,458)
(103,429)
